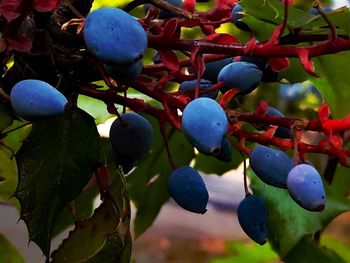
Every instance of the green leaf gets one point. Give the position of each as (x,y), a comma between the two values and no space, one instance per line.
(308,251)
(5,118)
(95,108)
(149,199)
(91,235)
(337,245)
(8,253)
(8,168)
(288,222)
(105,237)
(54,164)
(334,83)
(271,14)
(82,208)
(253,253)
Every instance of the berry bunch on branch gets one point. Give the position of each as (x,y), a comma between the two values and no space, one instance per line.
(184,85)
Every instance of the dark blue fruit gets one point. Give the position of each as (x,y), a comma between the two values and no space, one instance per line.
(271,166)
(242,75)
(225,154)
(268,75)
(125,73)
(213,68)
(188,189)
(281,132)
(114,36)
(306,188)
(237,16)
(204,123)
(165,14)
(33,99)
(253,218)
(190,86)
(132,137)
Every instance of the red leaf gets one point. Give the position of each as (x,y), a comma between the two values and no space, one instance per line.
(227,97)
(170,28)
(250,46)
(221,38)
(197,61)
(274,39)
(262,107)
(46,5)
(169,59)
(9,9)
(336,141)
(20,43)
(189,5)
(207,29)
(163,81)
(324,112)
(306,62)
(278,64)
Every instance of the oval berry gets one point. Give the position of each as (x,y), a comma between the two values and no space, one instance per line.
(131,137)
(187,188)
(33,99)
(244,76)
(306,188)
(253,218)
(204,123)
(114,36)
(271,166)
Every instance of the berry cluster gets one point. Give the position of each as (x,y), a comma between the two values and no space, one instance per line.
(218,72)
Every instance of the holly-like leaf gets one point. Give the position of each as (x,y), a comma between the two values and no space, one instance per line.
(105,237)
(288,222)
(8,253)
(81,208)
(149,198)
(95,235)
(333,82)
(8,168)
(54,164)
(307,251)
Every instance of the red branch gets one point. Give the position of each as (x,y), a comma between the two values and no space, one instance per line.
(260,50)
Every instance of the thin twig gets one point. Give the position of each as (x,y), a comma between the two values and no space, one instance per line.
(316,4)
(285,19)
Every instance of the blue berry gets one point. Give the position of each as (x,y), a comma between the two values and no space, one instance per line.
(204,123)
(237,16)
(271,166)
(33,99)
(191,85)
(253,218)
(188,189)
(125,74)
(306,188)
(281,132)
(242,75)
(114,36)
(133,137)
(225,154)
